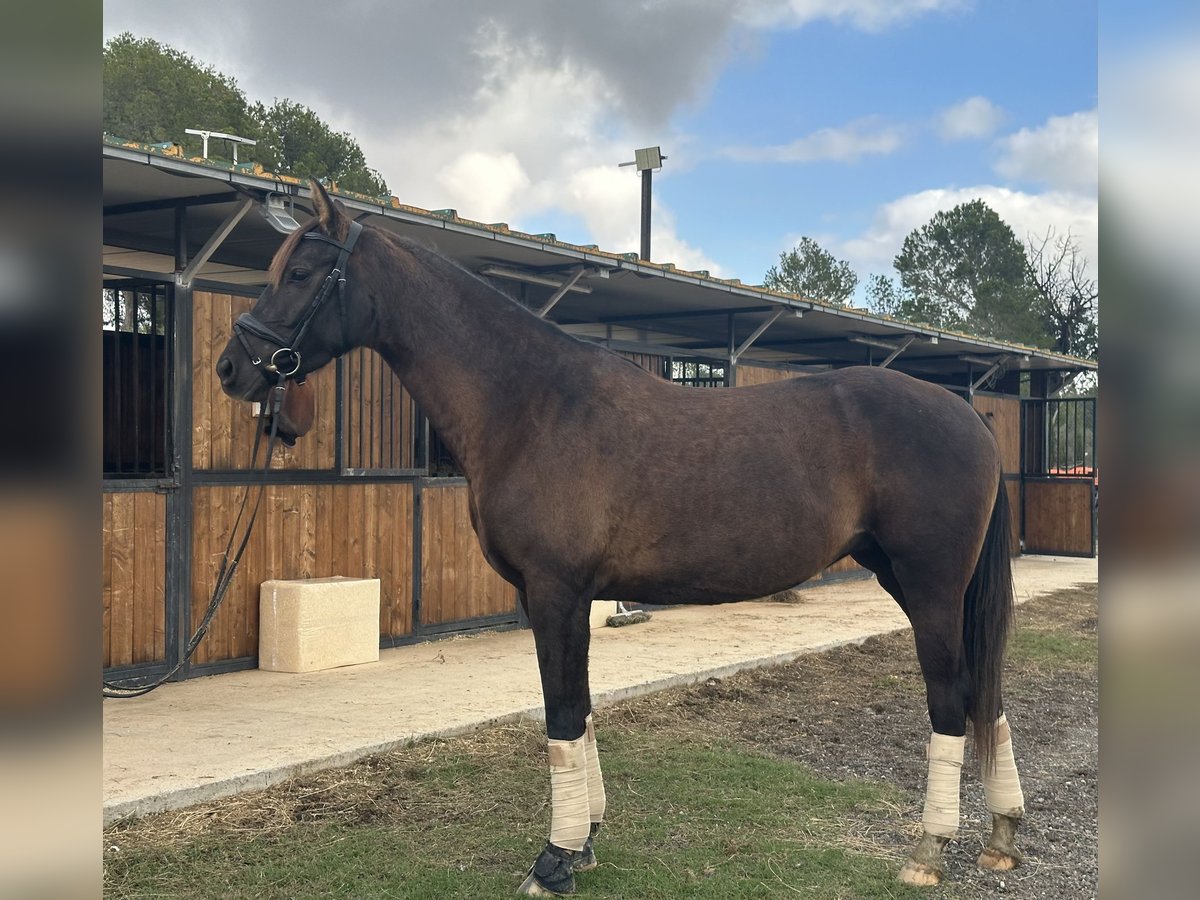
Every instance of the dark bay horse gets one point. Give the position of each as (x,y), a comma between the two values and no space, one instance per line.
(589,477)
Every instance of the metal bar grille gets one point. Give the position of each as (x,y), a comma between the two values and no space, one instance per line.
(696,373)
(1060,437)
(135,334)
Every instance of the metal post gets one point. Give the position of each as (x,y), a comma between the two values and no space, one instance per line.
(647,183)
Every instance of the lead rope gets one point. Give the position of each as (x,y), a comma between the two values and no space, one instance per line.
(228,567)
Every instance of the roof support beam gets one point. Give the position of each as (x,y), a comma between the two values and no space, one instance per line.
(215,241)
(689,314)
(903,346)
(562,291)
(121,209)
(986,375)
(755,335)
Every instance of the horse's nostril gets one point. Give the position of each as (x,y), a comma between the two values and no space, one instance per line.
(225,369)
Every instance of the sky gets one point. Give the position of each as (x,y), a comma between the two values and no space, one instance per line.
(848,121)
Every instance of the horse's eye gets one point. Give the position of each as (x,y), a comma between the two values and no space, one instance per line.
(298,276)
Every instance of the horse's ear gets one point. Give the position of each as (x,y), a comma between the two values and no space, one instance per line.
(330,215)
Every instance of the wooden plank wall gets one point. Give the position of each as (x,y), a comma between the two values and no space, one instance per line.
(134,577)
(379,415)
(1004,415)
(751,375)
(456,581)
(1058,516)
(651,362)
(223,429)
(303,531)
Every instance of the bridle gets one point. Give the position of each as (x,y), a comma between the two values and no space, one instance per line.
(285,360)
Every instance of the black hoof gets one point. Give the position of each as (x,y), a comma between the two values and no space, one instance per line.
(552,873)
(585,859)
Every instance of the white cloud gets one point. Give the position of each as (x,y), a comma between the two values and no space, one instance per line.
(494,182)
(975,117)
(866,15)
(1063,153)
(845,144)
(1027,214)
(542,143)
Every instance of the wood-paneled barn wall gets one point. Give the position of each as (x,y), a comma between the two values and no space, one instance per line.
(1004,415)
(134,583)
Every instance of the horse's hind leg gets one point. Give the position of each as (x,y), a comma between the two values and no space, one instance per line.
(938,638)
(561,634)
(1002,788)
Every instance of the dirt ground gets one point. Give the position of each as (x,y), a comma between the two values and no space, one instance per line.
(853,712)
(859,712)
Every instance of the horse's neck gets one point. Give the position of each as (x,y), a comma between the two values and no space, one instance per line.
(468,355)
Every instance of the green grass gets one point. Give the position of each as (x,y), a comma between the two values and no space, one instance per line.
(1052,649)
(689,817)
(690,821)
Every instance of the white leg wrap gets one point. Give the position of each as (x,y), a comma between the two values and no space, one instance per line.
(945,755)
(597,800)
(570,818)
(1002,785)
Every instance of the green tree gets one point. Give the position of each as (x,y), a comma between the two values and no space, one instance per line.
(885,297)
(811,271)
(153,92)
(965,270)
(296,140)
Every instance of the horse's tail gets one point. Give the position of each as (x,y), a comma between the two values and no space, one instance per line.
(987,616)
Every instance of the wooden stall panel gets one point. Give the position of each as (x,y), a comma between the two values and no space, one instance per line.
(456,581)
(1004,415)
(1013,486)
(223,429)
(1058,517)
(751,375)
(134,578)
(303,531)
(651,362)
(379,418)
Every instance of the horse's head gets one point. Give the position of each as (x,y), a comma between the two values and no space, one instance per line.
(302,320)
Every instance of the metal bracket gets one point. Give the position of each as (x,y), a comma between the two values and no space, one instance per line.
(986,375)
(215,240)
(562,291)
(755,335)
(903,346)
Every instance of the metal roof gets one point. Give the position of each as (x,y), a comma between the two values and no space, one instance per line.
(628,301)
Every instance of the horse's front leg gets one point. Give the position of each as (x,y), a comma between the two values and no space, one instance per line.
(561,633)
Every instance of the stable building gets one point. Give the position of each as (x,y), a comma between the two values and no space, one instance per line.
(371,492)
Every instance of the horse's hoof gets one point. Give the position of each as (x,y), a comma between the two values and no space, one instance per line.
(552,873)
(585,859)
(1001,853)
(920,874)
(997,860)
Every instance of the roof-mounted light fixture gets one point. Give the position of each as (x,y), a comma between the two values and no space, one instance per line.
(278,210)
